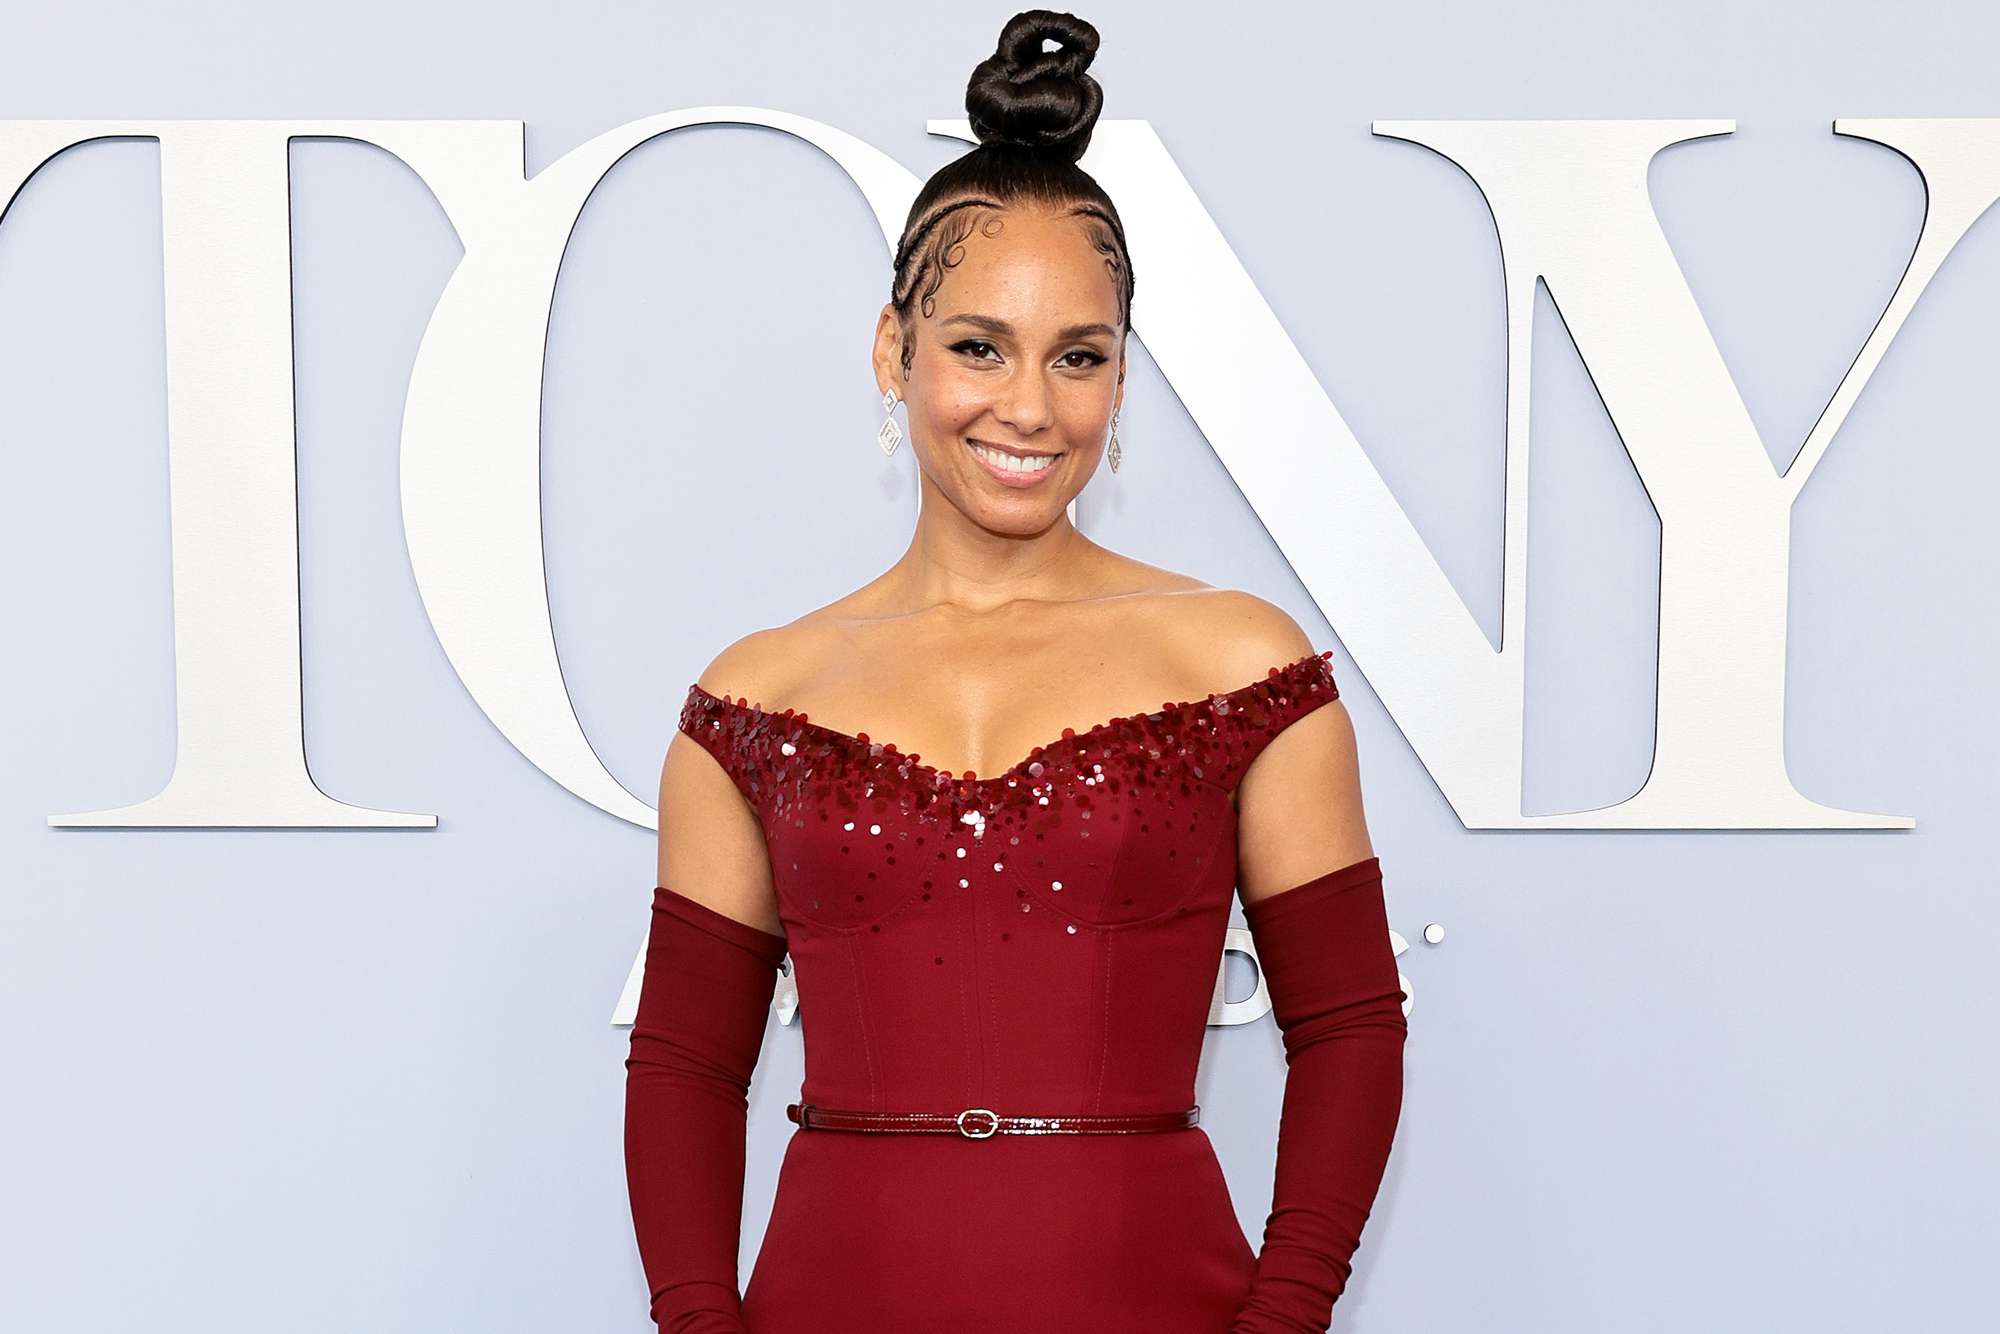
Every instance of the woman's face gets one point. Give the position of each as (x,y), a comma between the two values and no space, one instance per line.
(1016,371)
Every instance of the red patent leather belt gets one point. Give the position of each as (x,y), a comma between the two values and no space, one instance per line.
(984,1122)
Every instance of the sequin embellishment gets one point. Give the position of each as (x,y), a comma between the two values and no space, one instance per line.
(790,767)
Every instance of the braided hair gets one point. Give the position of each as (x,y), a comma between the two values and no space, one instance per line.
(1033,112)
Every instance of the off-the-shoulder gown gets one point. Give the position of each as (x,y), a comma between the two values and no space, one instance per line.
(1039,941)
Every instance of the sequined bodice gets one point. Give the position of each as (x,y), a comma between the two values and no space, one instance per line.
(1046,939)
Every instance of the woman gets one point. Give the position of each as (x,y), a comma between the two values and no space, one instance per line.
(1005,961)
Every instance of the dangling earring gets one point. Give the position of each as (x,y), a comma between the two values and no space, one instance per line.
(1115,452)
(891,434)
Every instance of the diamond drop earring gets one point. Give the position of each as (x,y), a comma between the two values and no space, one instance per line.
(1115,452)
(891,434)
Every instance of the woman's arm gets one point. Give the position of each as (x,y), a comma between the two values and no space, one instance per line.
(1325,953)
(1323,945)
(710,973)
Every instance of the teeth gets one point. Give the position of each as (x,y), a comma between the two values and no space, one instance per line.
(1011,462)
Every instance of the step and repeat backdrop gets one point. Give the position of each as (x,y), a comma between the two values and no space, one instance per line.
(400,405)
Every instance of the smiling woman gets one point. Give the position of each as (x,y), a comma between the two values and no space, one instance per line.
(1021,393)
(1005,979)
(1032,326)
(1024,465)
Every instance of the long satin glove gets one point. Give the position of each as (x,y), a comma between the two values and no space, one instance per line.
(695,1040)
(1331,970)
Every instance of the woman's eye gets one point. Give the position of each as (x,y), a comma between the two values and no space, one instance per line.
(977,347)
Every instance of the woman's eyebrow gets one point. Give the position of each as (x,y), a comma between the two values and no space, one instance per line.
(994,324)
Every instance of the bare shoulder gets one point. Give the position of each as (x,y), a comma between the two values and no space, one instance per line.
(742,669)
(1238,636)
(765,665)
(1299,805)
(711,846)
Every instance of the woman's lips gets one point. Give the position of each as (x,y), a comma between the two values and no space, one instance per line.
(1006,476)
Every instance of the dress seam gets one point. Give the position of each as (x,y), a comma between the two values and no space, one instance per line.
(992,1015)
(968,999)
(1104,1026)
(875,1090)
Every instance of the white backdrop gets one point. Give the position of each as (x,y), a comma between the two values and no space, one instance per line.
(363,1079)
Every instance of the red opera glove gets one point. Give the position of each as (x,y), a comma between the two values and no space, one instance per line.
(708,985)
(1331,971)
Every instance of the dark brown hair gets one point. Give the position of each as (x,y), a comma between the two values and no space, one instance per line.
(1033,112)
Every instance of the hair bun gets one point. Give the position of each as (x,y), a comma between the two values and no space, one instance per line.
(1036,99)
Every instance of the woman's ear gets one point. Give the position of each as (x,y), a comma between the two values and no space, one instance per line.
(886,355)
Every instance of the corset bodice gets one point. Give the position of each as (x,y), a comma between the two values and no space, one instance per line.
(1043,940)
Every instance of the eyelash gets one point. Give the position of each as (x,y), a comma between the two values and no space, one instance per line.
(1095,360)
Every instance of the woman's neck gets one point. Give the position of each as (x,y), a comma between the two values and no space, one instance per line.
(953,563)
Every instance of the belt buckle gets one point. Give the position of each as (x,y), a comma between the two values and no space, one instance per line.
(992,1122)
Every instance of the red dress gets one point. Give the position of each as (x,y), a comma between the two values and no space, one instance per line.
(1045,940)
